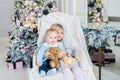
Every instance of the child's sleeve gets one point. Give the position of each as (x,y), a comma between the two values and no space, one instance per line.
(61,47)
(67,47)
(40,55)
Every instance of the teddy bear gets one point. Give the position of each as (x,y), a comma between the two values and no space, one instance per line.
(54,62)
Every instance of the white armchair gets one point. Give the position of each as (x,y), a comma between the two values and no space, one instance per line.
(73,34)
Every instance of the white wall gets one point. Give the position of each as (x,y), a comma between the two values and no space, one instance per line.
(5,16)
(112,8)
(81,11)
(76,8)
(59,4)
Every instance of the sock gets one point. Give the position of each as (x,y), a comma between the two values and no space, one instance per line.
(42,73)
(52,71)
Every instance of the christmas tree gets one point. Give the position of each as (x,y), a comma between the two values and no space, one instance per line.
(96,11)
(23,30)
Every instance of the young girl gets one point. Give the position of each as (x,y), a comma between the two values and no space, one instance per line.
(68,70)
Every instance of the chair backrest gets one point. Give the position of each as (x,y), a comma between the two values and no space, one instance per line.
(71,26)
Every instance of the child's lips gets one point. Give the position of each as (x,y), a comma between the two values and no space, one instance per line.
(59,37)
(53,42)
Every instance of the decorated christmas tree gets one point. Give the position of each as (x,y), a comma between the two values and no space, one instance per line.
(23,30)
(96,11)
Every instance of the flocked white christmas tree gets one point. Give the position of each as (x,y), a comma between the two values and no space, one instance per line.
(96,11)
(23,30)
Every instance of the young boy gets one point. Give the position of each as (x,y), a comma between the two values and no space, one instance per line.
(42,60)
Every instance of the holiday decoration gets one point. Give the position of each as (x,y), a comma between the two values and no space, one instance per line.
(16,65)
(96,11)
(99,37)
(23,30)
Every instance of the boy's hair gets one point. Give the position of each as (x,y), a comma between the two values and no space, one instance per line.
(49,31)
(57,26)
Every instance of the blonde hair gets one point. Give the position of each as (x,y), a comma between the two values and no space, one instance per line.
(49,31)
(57,26)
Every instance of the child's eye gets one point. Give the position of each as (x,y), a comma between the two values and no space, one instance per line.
(62,33)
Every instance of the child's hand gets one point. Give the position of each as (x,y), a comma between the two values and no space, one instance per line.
(62,53)
(47,54)
(39,65)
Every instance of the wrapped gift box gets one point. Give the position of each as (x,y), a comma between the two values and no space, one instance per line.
(15,65)
(107,64)
(110,57)
(95,57)
(18,64)
(10,65)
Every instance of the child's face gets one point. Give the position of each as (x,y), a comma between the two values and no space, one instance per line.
(51,38)
(60,34)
